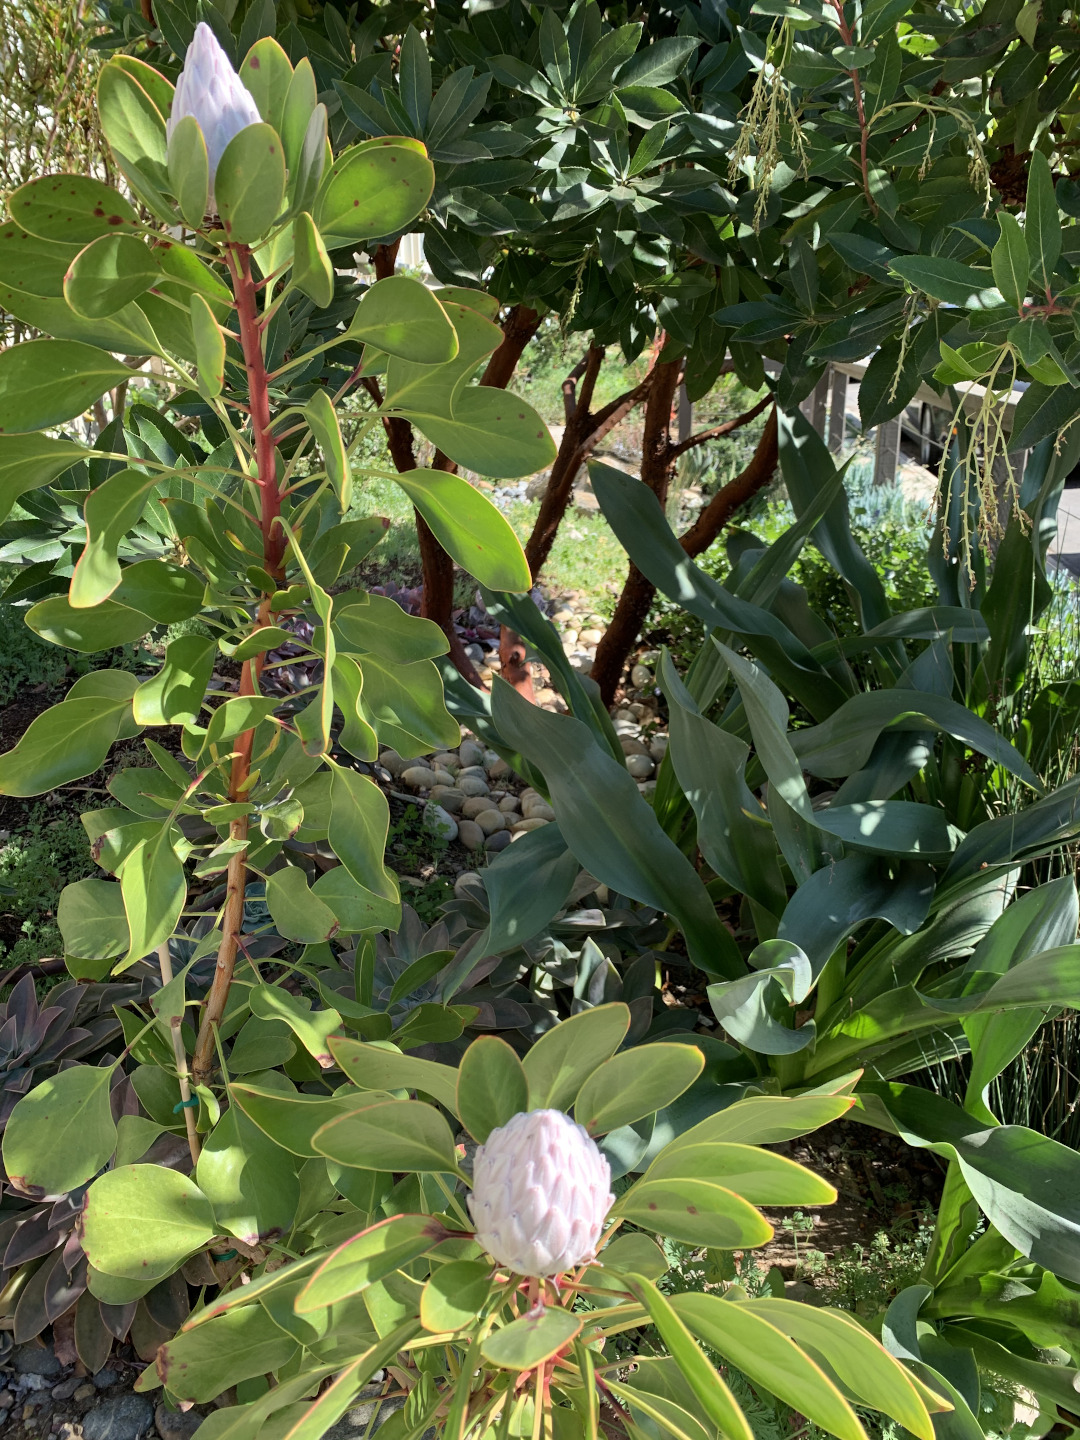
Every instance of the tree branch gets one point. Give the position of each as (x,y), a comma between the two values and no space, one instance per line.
(569,389)
(736,492)
(519,327)
(611,414)
(719,431)
(594,359)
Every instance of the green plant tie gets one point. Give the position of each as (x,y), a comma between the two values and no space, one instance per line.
(225,1255)
(185,1105)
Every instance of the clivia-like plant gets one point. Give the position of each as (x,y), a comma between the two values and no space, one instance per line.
(504,1289)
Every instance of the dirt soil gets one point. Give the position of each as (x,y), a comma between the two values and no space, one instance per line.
(880,1183)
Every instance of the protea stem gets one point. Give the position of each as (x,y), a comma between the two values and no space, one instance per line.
(274,543)
(180,1056)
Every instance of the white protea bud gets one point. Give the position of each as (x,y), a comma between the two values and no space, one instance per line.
(210,90)
(541,1192)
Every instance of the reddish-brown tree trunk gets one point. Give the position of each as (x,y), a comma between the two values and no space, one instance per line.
(734,495)
(657,459)
(582,433)
(437,567)
(568,461)
(519,327)
(637,593)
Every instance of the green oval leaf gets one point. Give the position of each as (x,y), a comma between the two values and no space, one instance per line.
(300,100)
(266,72)
(144,1220)
(160,90)
(128,332)
(760,1176)
(45,382)
(468,527)
(383,1067)
(290,1119)
(528,1342)
(110,511)
(175,693)
(373,189)
(209,346)
(368,1257)
(67,742)
(401,316)
(562,1060)
(109,274)
(379,625)
(250,1182)
(454,1295)
(92,922)
(696,1211)
(200,1363)
(102,627)
(393,1135)
(296,912)
(491,1086)
(313,275)
(323,420)
(32,265)
(71,208)
(29,461)
(491,431)
(62,1133)
(166,592)
(629,1086)
(154,888)
(249,186)
(311,1027)
(133,125)
(189,170)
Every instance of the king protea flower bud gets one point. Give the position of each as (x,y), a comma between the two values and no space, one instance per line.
(541,1192)
(210,90)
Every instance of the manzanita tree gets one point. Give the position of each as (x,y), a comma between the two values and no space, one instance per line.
(581,172)
(237,534)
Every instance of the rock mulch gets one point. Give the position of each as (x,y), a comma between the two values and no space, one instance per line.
(41,1399)
(471,795)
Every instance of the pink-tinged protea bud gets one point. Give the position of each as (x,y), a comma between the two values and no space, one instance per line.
(541,1192)
(210,90)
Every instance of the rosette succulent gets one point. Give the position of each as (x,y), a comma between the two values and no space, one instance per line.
(211,92)
(541,1192)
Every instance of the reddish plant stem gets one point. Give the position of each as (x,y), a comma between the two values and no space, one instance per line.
(274,545)
(274,540)
(848,37)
